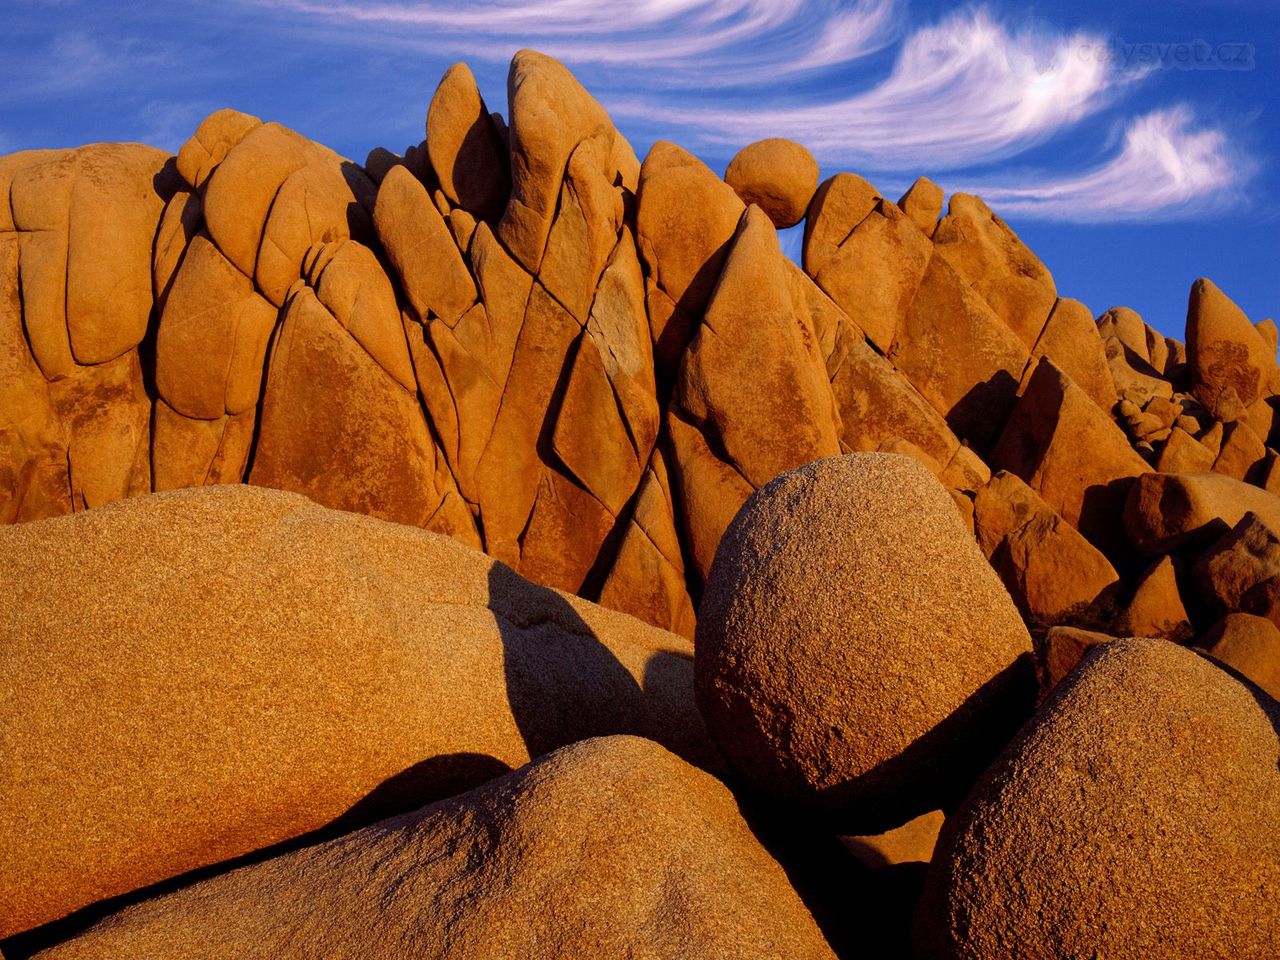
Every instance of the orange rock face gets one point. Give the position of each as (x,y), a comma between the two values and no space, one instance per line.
(779,176)
(1041,863)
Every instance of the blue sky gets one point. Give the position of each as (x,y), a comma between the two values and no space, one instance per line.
(1132,144)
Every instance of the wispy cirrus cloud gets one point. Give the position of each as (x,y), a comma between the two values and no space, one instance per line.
(1166,167)
(969,90)
(965,90)
(718,41)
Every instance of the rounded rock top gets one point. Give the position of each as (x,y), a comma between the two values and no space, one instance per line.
(779,176)
(856,657)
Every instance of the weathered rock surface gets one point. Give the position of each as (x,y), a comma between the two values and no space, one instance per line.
(201,674)
(1146,835)
(1250,645)
(1068,451)
(832,669)
(530,865)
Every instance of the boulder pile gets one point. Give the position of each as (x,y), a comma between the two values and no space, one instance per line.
(501,548)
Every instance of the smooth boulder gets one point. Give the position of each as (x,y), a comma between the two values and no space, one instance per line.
(199,674)
(1133,819)
(534,865)
(857,658)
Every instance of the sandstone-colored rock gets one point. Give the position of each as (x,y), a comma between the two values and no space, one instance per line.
(1146,837)
(877,403)
(751,381)
(86,221)
(188,452)
(379,163)
(510,469)
(913,842)
(779,176)
(550,115)
(34,478)
(422,253)
(1224,350)
(1134,378)
(1070,339)
(1183,453)
(239,193)
(467,153)
(960,354)
(923,204)
(107,414)
(1156,608)
(1167,512)
(213,335)
(1060,650)
(828,581)
(681,265)
(210,144)
(531,863)
(876,272)
(1052,573)
(1249,645)
(588,220)
(329,199)
(647,579)
(181,222)
(999,267)
(1072,454)
(1243,454)
(1237,562)
(841,203)
(609,417)
(336,425)
(1128,327)
(267,665)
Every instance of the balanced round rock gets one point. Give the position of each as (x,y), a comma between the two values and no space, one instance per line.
(856,656)
(1134,819)
(777,175)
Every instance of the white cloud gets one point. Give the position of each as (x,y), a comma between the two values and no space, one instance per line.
(964,90)
(1165,168)
(718,41)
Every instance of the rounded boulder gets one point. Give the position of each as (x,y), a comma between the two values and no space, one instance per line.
(779,176)
(1134,818)
(856,657)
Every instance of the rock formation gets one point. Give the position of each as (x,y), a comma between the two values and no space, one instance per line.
(1051,855)
(549,374)
(834,674)
(519,335)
